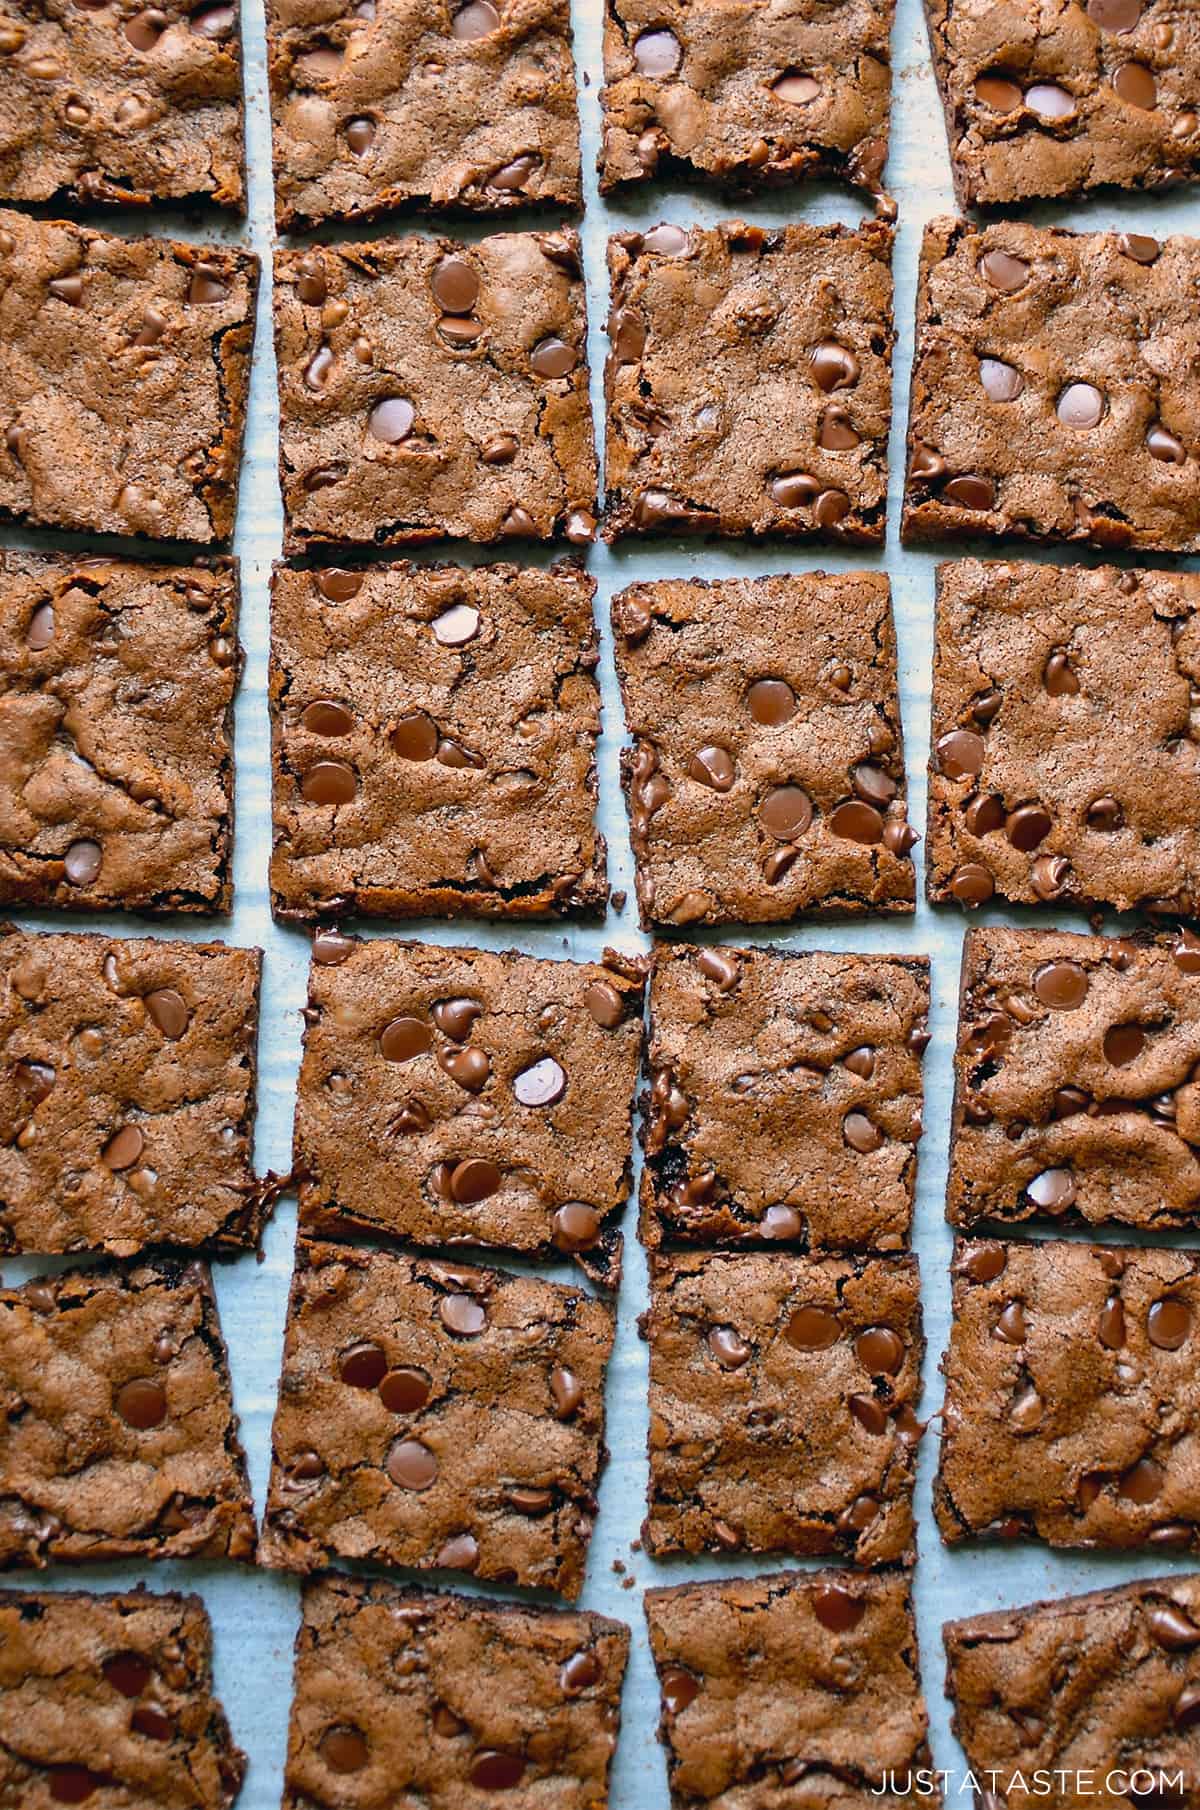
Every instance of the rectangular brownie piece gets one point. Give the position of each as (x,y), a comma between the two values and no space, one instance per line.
(1057,101)
(112,1697)
(437,1416)
(434,735)
(1063,707)
(1079,1689)
(800,1688)
(410,103)
(1075,1080)
(1052,393)
(121,103)
(1072,1406)
(447,1699)
(749,381)
(124,374)
(766,772)
(785,1098)
(455,1096)
(432,388)
(724,91)
(119,1439)
(782,1404)
(117,684)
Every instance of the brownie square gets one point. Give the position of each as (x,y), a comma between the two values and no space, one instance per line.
(119,1439)
(724,91)
(117,683)
(1072,1407)
(446,1700)
(1075,1080)
(124,373)
(1061,768)
(785,1098)
(454,1096)
(1059,100)
(1052,397)
(782,1398)
(1087,1685)
(132,1115)
(766,774)
(434,742)
(409,103)
(121,103)
(112,1696)
(749,381)
(434,1415)
(800,1688)
(429,387)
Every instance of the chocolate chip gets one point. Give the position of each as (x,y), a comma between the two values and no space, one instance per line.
(1053,1190)
(1003,271)
(1140,247)
(338,585)
(1164,445)
(1058,675)
(567,1392)
(325,716)
(207,285)
(1027,826)
(657,54)
(1169,1323)
(712,766)
(869,1414)
(1171,1628)
(1061,985)
(329,782)
(72,1784)
(457,625)
(391,419)
(1049,101)
(405,1391)
(1115,15)
(469,1068)
(151,1722)
(145,28)
(579,1673)
(794,489)
(454,284)
(855,821)
(1104,814)
(831,507)
(604,1003)
(123,1148)
(168,1011)
(1010,1325)
(473,1180)
(873,785)
(1142,1483)
(971,492)
(1136,86)
(142,1403)
(984,813)
(463,1315)
(553,358)
(837,1609)
(795,89)
(491,1768)
(415,736)
(1049,876)
(861,1062)
(1110,1329)
(834,366)
(1081,405)
(722,968)
(1123,1044)
(879,1350)
(455,1017)
(837,435)
(82,862)
(362,1366)
(541,1084)
(576,1227)
(998,93)
(812,1329)
(514,175)
(785,812)
(404,1038)
(728,1347)
(343,1748)
(679,1688)
(67,289)
(985,1262)
(960,754)
(411,1465)
(40,632)
(972,884)
(128,1673)
(213,21)
(331,948)
(667,241)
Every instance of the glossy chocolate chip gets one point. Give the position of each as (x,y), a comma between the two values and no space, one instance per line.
(1172,1628)
(970,491)
(1142,1482)
(1010,1324)
(860,1133)
(1110,1328)
(834,366)
(837,1608)
(657,54)
(1162,444)
(1061,985)
(972,884)
(454,284)
(567,1391)
(960,754)
(325,716)
(1053,1190)
(463,1315)
(82,862)
(405,1391)
(728,1347)
(329,783)
(576,1227)
(1169,1323)
(1135,85)
(128,1673)
(469,1068)
(403,1038)
(579,1673)
(1115,15)
(999,93)
(553,358)
(1105,815)
(1002,271)
(331,948)
(1081,405)
(723,969)
(411,1465)
(541,1083)
(40,632)
(344,1748)
(391,419)
(362,1366)
(712,766)
(604,1004)
(339,585)
(456,626)
(879,1350)
(455,1017)
(870,1414)
(123,1149)
(812,1329)
(785,812)
(679,1688)
(984,813)
(1124,1043)
(1049,101)
(667,241)
(985,1262)
(151,1722)
(142,1403)
(1028,826)
(795,89)
(473,1180)
(861,1062)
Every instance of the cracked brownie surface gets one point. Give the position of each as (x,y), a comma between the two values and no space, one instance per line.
(449,1699)
(751,94)
(121,103)
(434,745)
(748,381)
(785,1098)
(117,683)
(464,1096)
(431,388)
(1076,1091)
(109,1699)
(1052,392)
(1064,767)
(800,1688)
(119,1438)
(1072,1400)
(130,1121)
(766,775)
(1060,98)
(435,1415)
(1080,1688)
(421,103)
(124,373)
(782,1405)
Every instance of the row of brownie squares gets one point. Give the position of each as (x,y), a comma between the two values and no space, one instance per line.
(431,388)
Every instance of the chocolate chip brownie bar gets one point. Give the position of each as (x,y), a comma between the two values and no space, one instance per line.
(455,1096)
(124,373)
(749,381)
(766,773)
(432,1415)
(123,103)
(785,1098)
(431,388)
(782,1405)
(1063,767)
(800,1688)
(1076,1095)
(447,1698)
(434,742)
(1072,1408)
(111,1698)
(1058,100)
(748,94)
(117,683)
(395,104)
(1052,397)
(119,1439)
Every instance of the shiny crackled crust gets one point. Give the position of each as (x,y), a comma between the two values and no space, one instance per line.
(495,1472)
(1072,1403)
(79,1481)
(124,374)
(775,1426)
(436,1691)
